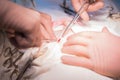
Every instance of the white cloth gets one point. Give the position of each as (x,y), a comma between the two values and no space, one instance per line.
(48,66)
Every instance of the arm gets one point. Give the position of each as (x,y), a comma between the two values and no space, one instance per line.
(25,27)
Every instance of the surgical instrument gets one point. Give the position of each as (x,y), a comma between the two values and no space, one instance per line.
(75,18)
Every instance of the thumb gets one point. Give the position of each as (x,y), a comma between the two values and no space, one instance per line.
(105,30)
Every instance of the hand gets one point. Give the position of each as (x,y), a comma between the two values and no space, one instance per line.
(26,27)
(93,7)
(98,51)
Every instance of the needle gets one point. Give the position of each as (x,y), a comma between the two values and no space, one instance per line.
(75,18)
(29,62)
(71,23)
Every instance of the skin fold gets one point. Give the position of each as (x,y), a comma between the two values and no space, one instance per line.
(25,27)
(92,7)
(97,51)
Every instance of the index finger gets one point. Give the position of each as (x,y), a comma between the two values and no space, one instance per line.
(47,23)
(96,6)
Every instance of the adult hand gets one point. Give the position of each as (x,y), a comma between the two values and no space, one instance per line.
(92,7)
(26,27)
(98,51)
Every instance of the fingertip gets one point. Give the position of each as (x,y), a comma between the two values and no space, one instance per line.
(64,51)
(64,59)
(85,16)
(96,6)
(101,4)
(65,44)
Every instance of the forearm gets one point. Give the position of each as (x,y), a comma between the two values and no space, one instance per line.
(5,9)
(8,11)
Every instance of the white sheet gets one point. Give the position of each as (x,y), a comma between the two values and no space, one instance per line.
(48,66)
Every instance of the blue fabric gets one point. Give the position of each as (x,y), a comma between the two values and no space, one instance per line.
(117,3)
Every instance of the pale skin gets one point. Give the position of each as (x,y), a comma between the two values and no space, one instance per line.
(97,51)
(28,28)
(92,7)
(25,27)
